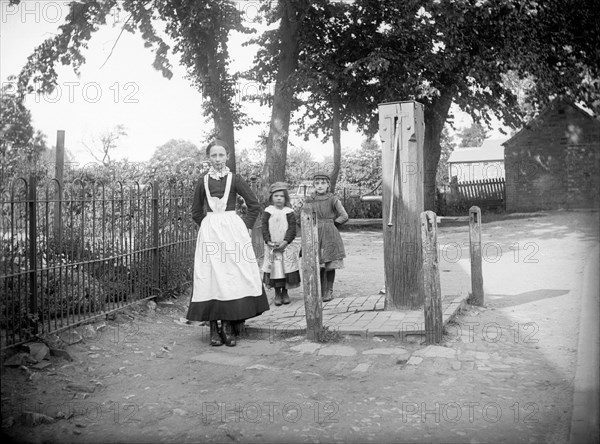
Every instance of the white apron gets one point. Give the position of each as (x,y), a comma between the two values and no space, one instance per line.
(225,266)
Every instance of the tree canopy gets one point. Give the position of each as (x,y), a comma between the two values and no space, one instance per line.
(473,135)
(199,29)
(175,158)
(354,55)
(102,146)
(21,145)
(336,61)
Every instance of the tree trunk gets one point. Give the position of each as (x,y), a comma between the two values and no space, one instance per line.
(337,143)
(435,118)
(221,104)
(224,128)
(277,140)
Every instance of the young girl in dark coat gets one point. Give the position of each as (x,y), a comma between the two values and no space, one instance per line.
(280,266)
(330,215)
(227,285)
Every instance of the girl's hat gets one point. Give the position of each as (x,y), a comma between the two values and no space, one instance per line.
(278,186)
(321,176)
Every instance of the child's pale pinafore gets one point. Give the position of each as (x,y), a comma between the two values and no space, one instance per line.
(278,226)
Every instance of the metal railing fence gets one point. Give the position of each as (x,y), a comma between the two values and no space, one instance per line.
(69,254)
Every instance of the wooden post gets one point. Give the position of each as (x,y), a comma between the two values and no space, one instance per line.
(431,279)
(310,273)
(475,251)
(402,184)
(58,175)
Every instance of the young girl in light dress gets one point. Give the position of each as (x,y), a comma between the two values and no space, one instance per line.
(281,264)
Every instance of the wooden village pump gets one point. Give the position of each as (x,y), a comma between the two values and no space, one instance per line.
(412,278)
(401,129)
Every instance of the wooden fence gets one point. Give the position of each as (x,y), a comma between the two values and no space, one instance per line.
(485,193)
(455,199)
(485,190)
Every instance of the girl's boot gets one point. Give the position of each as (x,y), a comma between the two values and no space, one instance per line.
(330,280)
(285,296)
(277,301)
(215,337)
(227,334)
(323,283)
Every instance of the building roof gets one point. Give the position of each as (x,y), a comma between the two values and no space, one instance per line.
(539,119)
(491,151)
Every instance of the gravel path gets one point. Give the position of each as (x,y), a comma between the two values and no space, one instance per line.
(503,374)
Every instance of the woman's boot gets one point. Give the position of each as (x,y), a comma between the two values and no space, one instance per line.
(227,334)
(238,327)
(215,337)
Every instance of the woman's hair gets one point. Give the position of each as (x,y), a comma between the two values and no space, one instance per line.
(285,194)
(217,142)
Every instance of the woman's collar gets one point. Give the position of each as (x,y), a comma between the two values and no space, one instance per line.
(212,172)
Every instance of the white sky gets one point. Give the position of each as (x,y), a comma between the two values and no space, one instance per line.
(126,90)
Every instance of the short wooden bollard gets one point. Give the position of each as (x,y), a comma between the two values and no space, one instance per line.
(434,322)
(475,252)
(311,281)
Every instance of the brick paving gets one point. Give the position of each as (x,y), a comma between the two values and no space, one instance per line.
(352,316)
(364,316)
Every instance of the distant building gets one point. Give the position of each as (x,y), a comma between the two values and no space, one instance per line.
(554,161)
(477,163)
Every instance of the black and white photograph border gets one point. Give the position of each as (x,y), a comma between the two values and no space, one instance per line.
(441,161)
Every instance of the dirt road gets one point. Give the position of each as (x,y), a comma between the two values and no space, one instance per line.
(504,374)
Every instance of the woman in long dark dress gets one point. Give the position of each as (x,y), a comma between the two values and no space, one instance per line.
(227,283)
